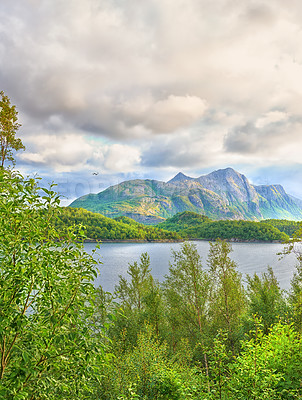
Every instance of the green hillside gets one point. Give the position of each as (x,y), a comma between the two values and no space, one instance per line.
(195,226)
(221,195)
(99,227)
(288,227)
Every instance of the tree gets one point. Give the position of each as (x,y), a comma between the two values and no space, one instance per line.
(227,297)
(131,293)
(269,366)
(140,302)
(295,294)
(186,291)
(265,299)
(8,128)
(48,346)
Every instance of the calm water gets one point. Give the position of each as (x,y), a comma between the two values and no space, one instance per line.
(250,258)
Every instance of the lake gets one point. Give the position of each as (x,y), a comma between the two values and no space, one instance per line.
(250,258)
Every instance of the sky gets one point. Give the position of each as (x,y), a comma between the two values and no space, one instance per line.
(111,90)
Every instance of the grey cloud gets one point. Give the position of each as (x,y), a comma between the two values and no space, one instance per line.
(242,139)
(179,153)
(131,71)
(252,138)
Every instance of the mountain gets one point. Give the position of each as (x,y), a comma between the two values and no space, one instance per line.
(180,177)
(222,194)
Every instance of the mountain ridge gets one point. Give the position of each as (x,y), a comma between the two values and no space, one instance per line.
(221,194)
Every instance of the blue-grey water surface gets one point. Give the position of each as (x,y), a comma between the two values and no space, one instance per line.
(250,258)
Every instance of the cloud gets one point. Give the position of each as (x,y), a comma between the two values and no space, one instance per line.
(63,153)
(271,117)
(122,158)
(274,137)
(102,84)
(72,152)
(161,116)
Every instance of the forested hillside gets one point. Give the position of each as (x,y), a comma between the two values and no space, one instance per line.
(195,226)
(288,227)
(98,227)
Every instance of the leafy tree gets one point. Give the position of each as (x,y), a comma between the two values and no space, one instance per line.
(186,291)
(140,301)
(269,366)
(295,294)
(48,347)
(228,300)
(8,128)
(265,299)
(147,372)
(131,293)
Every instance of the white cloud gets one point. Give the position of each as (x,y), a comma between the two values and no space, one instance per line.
(64,153)
(271,117)
(122,158)
(72,152)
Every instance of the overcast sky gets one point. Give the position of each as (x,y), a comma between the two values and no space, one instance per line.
(147,88)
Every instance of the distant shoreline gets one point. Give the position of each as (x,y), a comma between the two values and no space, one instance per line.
(180,241)
(132,241)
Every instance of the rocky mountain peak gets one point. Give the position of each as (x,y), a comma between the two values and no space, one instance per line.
(180,177)
(222,194)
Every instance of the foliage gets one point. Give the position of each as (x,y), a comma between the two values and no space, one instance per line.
(48,348)
(147,372)
(269,367)
(295,294)
(228,301)
(99,227)
(8,128)
(192,225)
(266,299)
(288,227)
(140,302)
(186,291)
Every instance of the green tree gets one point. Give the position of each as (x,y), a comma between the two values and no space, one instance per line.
(269,366)
(147,372)
(228,300)
(295,293)
(186,290)
(131,292)
(8,128)
(140,301)
(265,299)
(48,347)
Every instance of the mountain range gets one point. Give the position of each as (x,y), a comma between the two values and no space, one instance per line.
(222,194)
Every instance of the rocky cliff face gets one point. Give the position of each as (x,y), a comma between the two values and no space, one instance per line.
(222,194)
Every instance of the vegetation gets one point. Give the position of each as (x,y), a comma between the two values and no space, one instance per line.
(8,128)
(199,335)
(202,335)
(288,227)
(99,227)
(195,226)
(48,347)
(181,226)
(222,194)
